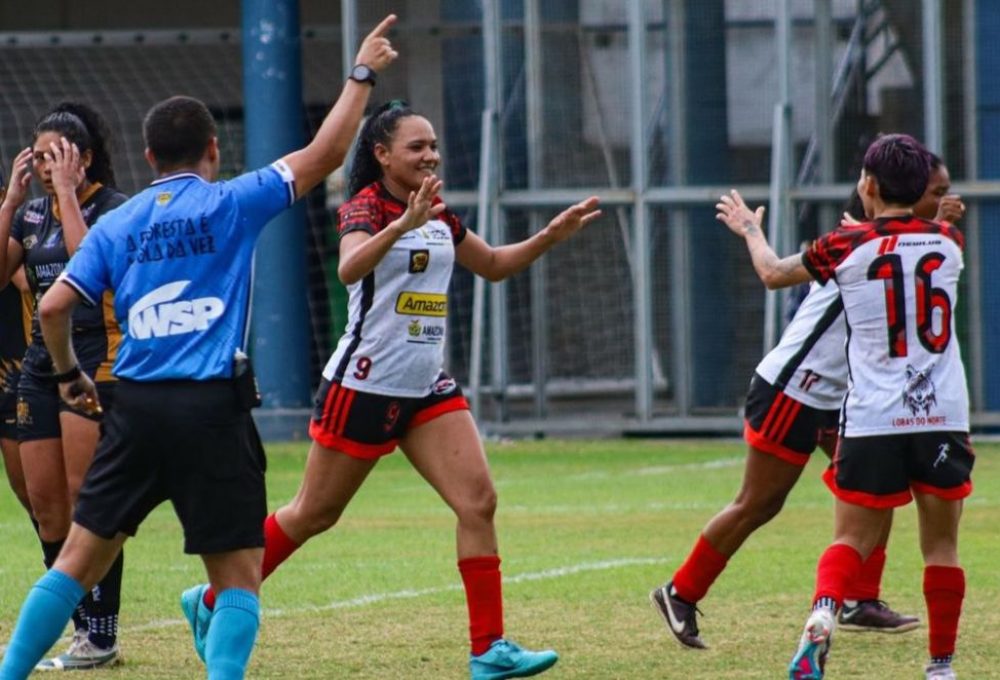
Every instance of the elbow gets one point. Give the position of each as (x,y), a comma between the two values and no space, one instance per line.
(346,276)
(770,279)
(49,310)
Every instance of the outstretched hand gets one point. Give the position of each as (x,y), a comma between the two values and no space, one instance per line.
(420,206)
(67,170)
(734,213)
(573,219)
(376,51)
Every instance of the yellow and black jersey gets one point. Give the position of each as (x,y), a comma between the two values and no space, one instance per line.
(37,227)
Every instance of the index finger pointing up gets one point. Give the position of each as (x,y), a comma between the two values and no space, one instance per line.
(383,27)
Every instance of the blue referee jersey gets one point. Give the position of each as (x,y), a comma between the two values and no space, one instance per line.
(179,258)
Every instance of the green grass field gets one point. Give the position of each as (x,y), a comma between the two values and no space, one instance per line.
(587,528)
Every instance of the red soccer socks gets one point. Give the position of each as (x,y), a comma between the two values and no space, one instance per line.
(944,589)
(699,571)
(838,566)
(483,595)
(868,584)
(278,547)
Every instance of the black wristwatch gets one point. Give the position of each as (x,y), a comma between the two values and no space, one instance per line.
(363,74)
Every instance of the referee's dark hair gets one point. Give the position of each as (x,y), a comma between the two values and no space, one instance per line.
(378,129)
(901,166)
(177,131)
(84,127)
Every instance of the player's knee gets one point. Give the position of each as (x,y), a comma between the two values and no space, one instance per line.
(480,507)
(52,516)
(759,509)
(310,519)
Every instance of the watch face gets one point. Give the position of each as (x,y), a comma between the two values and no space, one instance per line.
(363,73)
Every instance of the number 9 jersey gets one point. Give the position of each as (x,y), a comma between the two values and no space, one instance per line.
(898,278)
(397,314)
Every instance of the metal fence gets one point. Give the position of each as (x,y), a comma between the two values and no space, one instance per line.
(652,319)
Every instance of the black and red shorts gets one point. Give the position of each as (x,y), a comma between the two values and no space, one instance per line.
(777,424)
(366,425)
(883,471)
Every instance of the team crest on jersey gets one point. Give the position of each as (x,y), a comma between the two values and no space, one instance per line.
(24,413)
(29,241)
(164,197)
(444,386)
(918,393)
(419,260)
(414,328)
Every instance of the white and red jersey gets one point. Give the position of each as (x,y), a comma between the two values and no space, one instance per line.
(898,279)
(397,314)
(809,363)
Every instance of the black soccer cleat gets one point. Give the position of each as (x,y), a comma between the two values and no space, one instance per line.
(679,615)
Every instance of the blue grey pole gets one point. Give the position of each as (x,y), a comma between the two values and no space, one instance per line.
(273,116)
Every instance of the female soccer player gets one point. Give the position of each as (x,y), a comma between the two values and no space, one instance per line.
(793,407)
(384,385)
(905,421)
(71,160)
(16,305)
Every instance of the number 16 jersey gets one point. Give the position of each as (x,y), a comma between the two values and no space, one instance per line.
(898,279)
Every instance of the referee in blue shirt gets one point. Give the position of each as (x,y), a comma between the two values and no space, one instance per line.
(178,256)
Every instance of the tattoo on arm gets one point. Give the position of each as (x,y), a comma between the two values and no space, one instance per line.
(750,229)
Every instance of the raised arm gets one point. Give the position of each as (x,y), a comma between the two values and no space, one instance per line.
(67,175)
(774,272)
(11,252)
(326,152)
(496,263)
(360,252)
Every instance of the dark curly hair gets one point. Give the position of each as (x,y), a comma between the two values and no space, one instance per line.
(378,129)
(86,128)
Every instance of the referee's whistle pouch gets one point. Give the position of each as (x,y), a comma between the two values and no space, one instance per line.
(247,391)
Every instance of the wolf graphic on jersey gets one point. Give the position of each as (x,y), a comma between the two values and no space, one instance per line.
(918,393)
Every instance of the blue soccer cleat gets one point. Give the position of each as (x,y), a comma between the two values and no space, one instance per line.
(809,661)
(505,659)
(198,616)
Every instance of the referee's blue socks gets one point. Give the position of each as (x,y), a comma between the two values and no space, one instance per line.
(232,634)
(43,616)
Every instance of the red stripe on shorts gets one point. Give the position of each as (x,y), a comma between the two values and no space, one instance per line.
(352,448)
(328,405)
(439,409)
(862,498)
(793,413)
(773,430)
(773,411)
(345,411)
(335,412)
(950,494)
(765,445)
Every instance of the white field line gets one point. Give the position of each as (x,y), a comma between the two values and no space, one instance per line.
(375,598)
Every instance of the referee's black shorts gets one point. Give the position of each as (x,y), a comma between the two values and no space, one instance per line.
(184,441)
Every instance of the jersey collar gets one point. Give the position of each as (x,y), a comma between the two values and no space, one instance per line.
(179,175)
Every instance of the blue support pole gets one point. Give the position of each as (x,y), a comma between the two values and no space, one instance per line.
(273,118)
(988,98)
